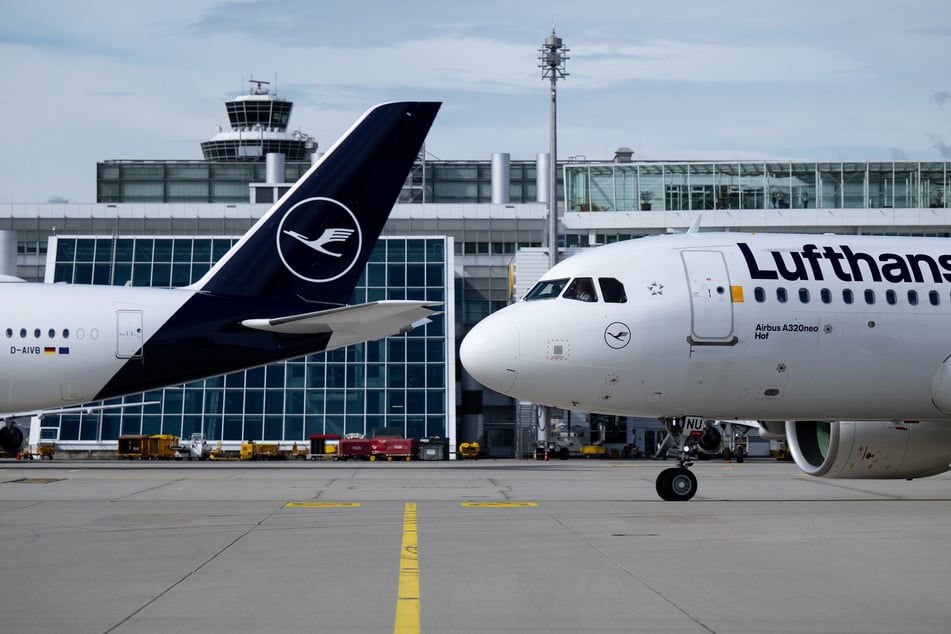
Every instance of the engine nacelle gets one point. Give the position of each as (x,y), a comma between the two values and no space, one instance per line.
(13,438)
(711,439)
(881,450)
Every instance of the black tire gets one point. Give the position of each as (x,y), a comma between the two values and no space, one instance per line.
(676,485)
(661,485)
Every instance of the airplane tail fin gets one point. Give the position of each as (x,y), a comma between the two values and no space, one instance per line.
(313,244)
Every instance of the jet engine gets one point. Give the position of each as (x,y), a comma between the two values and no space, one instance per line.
(711,439)
(13,438)
(881,450)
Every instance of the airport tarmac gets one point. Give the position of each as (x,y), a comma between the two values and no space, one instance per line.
(486,546)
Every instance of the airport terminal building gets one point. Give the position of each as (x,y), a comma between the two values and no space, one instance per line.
(470,234)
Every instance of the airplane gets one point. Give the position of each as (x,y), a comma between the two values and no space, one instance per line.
(838,344)
(273,296)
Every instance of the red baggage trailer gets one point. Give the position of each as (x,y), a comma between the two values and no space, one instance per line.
(354,448)
(405,448)
(379,446)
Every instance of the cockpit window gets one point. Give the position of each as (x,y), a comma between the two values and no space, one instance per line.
(581,289)
(612,291)
(546,289)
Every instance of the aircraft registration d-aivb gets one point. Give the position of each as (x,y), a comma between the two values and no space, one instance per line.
(281,291)
(839,344)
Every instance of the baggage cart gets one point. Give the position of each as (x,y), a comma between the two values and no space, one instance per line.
(354,448)
(323,446)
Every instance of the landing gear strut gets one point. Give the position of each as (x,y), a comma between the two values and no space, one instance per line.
(679,484)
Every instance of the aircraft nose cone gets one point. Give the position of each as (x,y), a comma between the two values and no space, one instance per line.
(490,353)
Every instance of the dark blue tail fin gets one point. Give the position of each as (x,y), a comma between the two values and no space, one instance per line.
(314,243)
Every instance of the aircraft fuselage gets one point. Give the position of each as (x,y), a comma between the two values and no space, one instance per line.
(734,326)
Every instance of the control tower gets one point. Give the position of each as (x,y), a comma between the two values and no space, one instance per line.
(258,128)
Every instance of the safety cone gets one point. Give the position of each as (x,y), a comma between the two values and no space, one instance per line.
(546,456)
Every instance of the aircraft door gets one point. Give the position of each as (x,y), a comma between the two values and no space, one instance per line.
(129,336)
(711,301)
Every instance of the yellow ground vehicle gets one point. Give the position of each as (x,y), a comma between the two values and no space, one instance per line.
(593,451)
(160,446)
(251,450)
(142,447)
(468,451)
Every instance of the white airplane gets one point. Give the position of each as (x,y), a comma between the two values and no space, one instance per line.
(839,344)
(271,297)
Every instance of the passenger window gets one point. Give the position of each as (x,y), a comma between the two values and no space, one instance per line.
(934,298)
(65,333)
(847,295)
(546,289)
(759,293)
(781,296)
(891,297)
(581,289)
(612,291)
(804,295)
(22,333)
(869,296)
(52,333)
(826,296)
(9,332)
(913,298)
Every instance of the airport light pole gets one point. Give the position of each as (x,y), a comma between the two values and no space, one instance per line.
(553,58)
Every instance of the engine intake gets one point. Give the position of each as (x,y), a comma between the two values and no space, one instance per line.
(12,438)
(882,450)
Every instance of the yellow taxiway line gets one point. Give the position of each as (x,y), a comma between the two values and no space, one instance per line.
(407,601)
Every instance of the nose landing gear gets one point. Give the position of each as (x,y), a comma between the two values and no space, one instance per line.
(676,484)
(679,484)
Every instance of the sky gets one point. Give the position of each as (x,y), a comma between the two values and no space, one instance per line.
(828,80)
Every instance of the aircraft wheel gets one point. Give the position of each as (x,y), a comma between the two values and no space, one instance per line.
(661,484)
(676,485)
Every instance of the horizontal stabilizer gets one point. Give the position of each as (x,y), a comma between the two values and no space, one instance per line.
(351,324)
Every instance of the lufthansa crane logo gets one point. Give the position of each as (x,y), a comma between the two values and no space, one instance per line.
(617,335)
(319,240)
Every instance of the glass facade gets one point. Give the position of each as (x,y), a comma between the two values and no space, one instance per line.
(184,181)
(253,146)
(695,186)
(403,384)
(266,113)
(221,181)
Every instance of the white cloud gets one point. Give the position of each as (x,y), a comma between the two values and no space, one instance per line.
(102,80)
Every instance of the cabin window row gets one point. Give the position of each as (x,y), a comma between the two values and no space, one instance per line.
(36,332)
(869,296)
